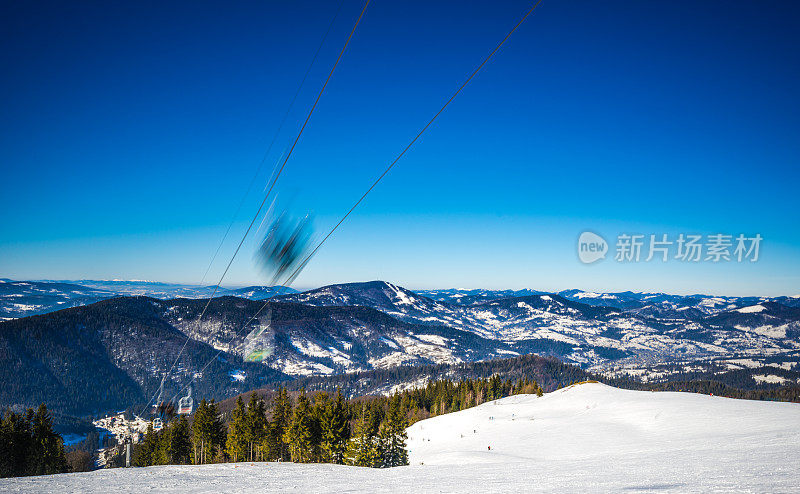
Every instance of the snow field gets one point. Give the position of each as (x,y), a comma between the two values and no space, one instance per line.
(595,420)
(584,438)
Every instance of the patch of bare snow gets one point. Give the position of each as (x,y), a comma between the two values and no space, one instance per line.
(751,309)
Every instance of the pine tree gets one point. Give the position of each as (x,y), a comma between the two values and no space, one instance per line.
(363,450)
(200,431)
(16,444)
(256,425)
(47,452)
(335,431)
(299,434)
(278,448)
(160,455)
(236,446)
(392,436)
(218,429)
(318,412)
(218,433)
(144,452)
(179,449)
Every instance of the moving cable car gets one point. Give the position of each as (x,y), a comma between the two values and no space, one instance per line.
(158,424)
(186,403)
(285,245)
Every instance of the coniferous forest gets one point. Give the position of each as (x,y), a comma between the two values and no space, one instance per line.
(319,428)
(29,446)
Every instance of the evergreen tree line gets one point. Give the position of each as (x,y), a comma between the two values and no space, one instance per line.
(549,372)
(29,446)
(322,428)
(169,446)
(790,393)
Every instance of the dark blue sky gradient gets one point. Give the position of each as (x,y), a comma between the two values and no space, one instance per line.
(129,133)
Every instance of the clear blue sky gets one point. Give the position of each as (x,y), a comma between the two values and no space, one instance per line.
(128,134)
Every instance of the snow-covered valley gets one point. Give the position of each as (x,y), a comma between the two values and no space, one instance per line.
(584,438)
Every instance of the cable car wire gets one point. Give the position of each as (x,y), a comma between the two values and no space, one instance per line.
(255,176)
(305,261)
(272,142)
(414,140)
(272,184)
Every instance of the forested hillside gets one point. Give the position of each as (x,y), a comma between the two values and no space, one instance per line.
(112,354)
(106,356)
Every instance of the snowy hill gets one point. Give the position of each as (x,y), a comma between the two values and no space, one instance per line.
(385,297)
(585,438)
(678,441)
(593,420)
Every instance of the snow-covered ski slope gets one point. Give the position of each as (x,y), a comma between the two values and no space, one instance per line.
(594,420)
(585,438)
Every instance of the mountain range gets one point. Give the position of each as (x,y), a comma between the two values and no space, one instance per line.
(29,298)
(111,353)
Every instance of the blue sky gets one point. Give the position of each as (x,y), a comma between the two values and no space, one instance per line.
(129,134)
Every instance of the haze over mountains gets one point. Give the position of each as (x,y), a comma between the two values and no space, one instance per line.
(113,352)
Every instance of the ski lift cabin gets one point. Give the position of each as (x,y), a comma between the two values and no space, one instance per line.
(158,424)
(185,404)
